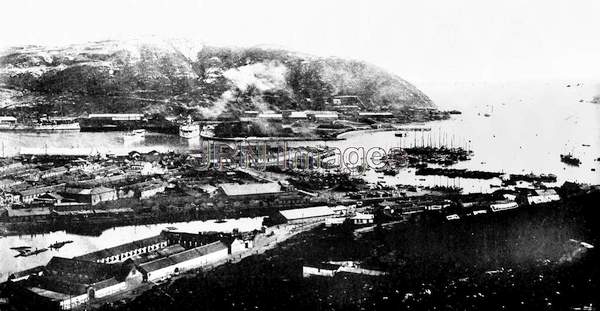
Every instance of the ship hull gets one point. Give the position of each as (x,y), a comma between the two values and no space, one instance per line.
(189,131)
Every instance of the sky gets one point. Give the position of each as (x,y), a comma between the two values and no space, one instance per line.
(423,41)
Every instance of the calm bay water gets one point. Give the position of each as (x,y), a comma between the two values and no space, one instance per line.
(529,126)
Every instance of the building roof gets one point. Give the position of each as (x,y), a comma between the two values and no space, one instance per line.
(199,251)
(545,192)
(309,212)
(232,189)
(325,115)
(208,188)
(170,250)
(119,249)
(374,113)
(363,216)
(298,115)
(184,256)
(149,185)
(157,264)
(87,271)
(110,115)
(100,190)
(52,295)
(40,190)
(323,266)
(52,195)
(27,272)
(270,116)
(7,118)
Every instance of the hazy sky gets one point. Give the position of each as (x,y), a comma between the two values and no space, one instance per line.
(422,41)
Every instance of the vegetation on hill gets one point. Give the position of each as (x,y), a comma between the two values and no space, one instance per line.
(174,78)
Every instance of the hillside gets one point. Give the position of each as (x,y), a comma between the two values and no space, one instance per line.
(175,77)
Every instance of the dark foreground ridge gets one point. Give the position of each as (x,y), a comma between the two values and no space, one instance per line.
(517,260)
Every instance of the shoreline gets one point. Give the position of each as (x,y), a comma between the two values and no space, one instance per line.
(267,139)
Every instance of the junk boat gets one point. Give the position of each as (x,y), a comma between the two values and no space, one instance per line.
(45,124)
(569,159)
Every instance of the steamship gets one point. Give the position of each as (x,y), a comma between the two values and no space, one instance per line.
(8,123)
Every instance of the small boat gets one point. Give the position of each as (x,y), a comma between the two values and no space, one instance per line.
(570,159)
(171,228)
(585,145)
(58,245)
(29,252)
(220,221)
(20,248)
(400,134)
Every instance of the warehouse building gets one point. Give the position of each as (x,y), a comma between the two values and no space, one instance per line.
(193,258)
(125,251)
(303,215)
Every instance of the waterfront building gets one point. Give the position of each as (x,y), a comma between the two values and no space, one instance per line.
(374,115)
(125,251)
(294,115)
(33,215)
(323,116)
(250,191)
(92,196)
(250,114)
(334,221)
(193,258)
(10,120)
(503,205)
(28,195)
(320,269)
(191,240)
(148,189)
(304,215)
(69,283)
(270,116)
(542,196)
(331,268)
(117,116)
(362,219)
